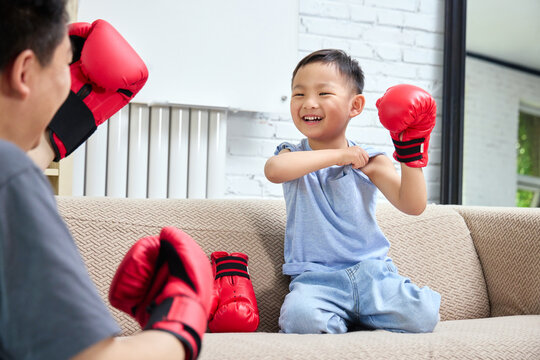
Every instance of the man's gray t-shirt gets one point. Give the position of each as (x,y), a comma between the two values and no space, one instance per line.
(49,307)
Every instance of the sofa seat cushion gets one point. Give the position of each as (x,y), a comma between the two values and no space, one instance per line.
(515,337)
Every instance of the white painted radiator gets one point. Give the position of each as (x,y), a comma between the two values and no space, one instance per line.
(156,151)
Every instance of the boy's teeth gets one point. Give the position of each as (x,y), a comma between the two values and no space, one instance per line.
(312,118)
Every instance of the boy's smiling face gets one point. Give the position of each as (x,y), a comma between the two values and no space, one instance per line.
(322,103)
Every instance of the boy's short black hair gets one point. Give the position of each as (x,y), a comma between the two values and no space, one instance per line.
(346,65)
(38,25)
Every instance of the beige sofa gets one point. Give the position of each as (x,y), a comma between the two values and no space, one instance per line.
(485,262)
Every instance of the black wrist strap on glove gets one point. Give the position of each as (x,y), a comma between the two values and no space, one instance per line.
(404,150)
(72,124)
(231,266)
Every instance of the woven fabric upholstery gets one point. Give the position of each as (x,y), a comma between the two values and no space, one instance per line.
(105,228)
(510,338)
(508,244)
(436,249)
(433,249)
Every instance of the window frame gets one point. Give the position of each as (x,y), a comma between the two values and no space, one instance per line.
(453,102)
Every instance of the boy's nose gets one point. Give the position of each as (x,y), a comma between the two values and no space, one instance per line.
(310,103)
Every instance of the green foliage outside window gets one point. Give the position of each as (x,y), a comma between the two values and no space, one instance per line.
(528,154)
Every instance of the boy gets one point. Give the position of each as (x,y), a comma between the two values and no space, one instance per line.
(49,307)
(335,253)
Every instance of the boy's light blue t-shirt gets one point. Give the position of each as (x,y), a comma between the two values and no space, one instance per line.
(331,222)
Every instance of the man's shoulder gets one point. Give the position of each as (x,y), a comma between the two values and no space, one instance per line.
(12,161)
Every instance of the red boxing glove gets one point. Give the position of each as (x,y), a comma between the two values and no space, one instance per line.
(106,73)
(409,113)
(234,307)
(165,282)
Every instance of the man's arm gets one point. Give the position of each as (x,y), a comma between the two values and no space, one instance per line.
(150,344)
(43,154)
(407,193)
(288,165)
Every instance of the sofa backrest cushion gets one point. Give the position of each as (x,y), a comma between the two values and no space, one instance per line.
(433,249)
(507,240)
(105,228)
(436,249)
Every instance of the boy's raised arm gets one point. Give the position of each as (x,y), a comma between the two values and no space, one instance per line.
(409,113)
(407,193)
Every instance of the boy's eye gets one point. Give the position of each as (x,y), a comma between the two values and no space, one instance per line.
(297,95)
(324,93)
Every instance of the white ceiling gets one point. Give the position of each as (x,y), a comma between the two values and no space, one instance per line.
(505,30)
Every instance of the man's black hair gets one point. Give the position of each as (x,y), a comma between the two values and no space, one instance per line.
(38,25)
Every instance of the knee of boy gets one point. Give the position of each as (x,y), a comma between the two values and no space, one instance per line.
(295,318)
(301,319)
(427,323)
(426,316)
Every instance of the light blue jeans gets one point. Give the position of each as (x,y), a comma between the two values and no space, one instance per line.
(369,295)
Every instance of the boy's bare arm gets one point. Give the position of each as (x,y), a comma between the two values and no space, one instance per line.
(407,193)
(289,165)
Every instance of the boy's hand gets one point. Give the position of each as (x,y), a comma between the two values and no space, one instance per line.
(409,113)
(354,155)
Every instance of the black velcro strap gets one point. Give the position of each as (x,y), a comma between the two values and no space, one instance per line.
(409,159)
(196,338)
(231,266)
(231,258)
(159,313)
(73,123)
(408,142)
(406,148)
(232,273)
(408,151)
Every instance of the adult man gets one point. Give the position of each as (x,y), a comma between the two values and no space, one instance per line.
(49,306)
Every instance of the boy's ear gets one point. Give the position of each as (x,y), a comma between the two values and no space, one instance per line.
(19,74)
(357,105)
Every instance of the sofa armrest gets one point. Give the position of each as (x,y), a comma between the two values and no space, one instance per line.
(507,241)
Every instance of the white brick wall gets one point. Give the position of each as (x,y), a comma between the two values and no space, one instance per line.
(492,99)
(395,41)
